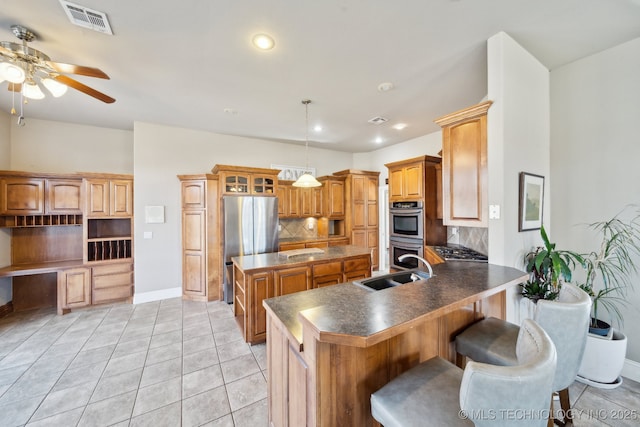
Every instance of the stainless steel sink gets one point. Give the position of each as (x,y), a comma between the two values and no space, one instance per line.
(392,279)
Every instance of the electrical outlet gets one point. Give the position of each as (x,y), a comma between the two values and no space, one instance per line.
(454,231)
(494,211)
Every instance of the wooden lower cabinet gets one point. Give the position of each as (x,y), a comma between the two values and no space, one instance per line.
(252,287)
(290,280)
(327,274)
(74,289)
(112,282)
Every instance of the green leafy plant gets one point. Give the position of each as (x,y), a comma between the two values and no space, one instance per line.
(547,267)
(611,269)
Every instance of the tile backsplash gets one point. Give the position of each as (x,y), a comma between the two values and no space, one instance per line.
(470,237)
(300,228)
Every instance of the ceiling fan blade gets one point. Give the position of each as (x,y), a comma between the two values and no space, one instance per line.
(14,87)
(83,88)
(7,52)
(77,69)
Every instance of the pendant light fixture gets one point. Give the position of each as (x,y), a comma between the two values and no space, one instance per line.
(306,180)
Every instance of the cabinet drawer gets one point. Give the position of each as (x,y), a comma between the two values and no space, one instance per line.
(111,280)
(357,264)
(111,294)
(102,270)
(327,268)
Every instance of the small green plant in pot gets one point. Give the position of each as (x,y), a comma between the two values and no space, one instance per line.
(547,268)
(611,269)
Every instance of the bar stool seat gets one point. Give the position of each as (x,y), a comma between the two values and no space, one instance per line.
(438,393)
(565,320)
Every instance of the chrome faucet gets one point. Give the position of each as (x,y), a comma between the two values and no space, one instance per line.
(424,261)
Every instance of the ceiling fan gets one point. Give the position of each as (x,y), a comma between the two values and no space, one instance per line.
(22,66)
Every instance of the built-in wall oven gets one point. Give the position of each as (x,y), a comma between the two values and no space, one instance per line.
(406,220)
(399,246)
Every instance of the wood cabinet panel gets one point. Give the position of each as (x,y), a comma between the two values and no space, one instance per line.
(333,197)
(193,194)
(194,230)
(193,269)
(64,196)
(111,282)
(109,197)
(297,388)
(74,288)
(261,289)
(361,206)
(97,198)
(464,166)
(121,200)
(21,196)
(290,280)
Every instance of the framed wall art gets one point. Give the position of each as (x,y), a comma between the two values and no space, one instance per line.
(530,201)
(292,173)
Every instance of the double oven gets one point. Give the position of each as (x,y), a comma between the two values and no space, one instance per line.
(406,233)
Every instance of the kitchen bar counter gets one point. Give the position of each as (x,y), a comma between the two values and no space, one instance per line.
(336,346)
(278,259)
(257,277)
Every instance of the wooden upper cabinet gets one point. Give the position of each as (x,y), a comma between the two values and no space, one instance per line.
(244,180)
(406,180)
(21,196)
(109,197)
(194,194)
(63,196)
(288,200)
(333,196)
(464,166)
(121,197)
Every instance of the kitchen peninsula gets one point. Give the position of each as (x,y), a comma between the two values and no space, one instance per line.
(328,349)
(261,276)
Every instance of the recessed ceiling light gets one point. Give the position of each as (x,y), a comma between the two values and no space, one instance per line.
(399,126)
(317,128)
(385,87)
(379,140)
(263,41)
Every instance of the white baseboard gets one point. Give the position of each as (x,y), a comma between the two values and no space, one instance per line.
(140,298)
(631,370)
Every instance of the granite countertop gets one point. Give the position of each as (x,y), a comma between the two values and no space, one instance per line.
(273,259)
(309,239)
(348,311)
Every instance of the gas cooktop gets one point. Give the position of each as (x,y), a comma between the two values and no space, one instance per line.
(459,253)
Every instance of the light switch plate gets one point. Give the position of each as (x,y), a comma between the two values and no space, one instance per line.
(494,211)
(148,234)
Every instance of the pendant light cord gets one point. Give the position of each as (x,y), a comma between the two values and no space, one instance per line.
(306,103)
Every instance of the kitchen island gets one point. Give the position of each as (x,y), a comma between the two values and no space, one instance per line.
(328,349)
(257,277)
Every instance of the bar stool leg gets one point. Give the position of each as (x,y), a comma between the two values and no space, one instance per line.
(565,404)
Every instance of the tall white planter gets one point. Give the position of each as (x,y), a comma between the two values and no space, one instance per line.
(603,360)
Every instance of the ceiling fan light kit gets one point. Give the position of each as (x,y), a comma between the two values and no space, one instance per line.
(22,67)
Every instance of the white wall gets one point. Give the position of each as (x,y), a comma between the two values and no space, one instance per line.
(5,236)
(429,145)
(518,140)
(160,154)
(595,152)
(57,147)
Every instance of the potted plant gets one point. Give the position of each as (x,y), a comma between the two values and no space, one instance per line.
(610,272)
(547,268)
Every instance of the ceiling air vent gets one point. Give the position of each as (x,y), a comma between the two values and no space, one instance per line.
(378,120)
(86,18)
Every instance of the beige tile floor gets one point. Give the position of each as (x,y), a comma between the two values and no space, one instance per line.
(168,363)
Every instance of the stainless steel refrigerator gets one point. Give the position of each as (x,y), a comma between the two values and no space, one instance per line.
(250,227)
